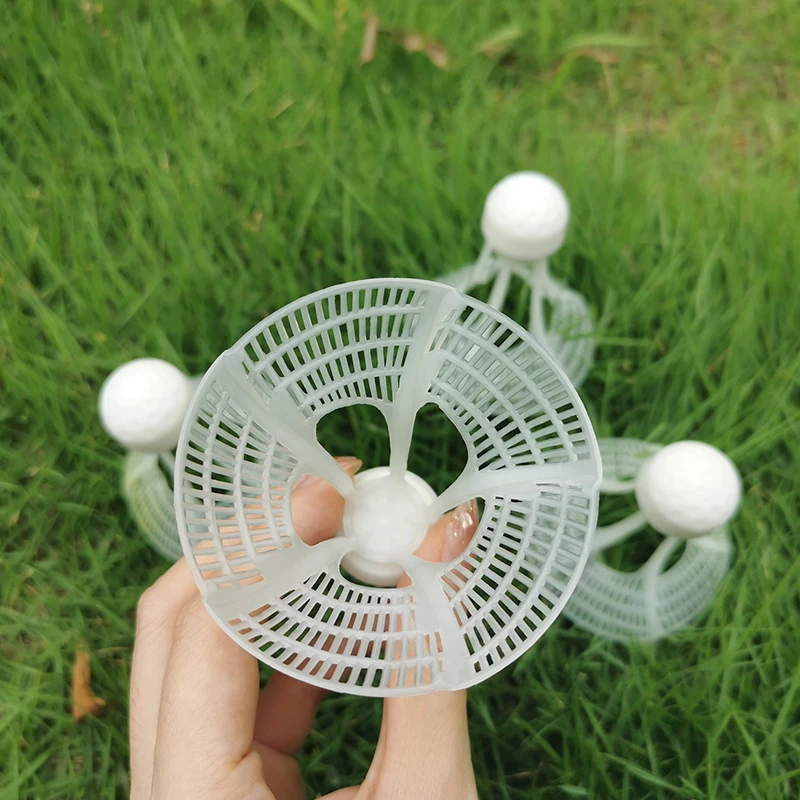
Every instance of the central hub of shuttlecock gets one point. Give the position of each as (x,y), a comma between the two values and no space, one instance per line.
(386,516)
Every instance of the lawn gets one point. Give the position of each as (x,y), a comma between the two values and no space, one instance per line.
(170,173)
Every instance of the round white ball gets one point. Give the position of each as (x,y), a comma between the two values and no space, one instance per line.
(143,404)
(525,216)
(688,489)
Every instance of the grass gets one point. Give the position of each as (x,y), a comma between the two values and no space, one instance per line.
(171,173)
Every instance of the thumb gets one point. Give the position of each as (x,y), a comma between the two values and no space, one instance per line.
(423,749)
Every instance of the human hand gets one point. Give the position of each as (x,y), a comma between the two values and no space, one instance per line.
(201,729)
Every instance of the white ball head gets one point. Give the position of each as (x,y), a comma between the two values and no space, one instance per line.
(525,216)
(143,404)
(688,489)
(388,518)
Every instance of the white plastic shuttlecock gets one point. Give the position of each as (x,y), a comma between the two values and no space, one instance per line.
(687,491)
(524,222)
(143,404)
(397,345)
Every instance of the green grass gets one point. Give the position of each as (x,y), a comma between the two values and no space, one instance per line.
(140,143)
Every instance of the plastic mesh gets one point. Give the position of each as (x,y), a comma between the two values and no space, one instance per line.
(569,336)
(151,503)
(650,603)
(397,345)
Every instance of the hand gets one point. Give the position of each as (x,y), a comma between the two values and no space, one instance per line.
(200,729)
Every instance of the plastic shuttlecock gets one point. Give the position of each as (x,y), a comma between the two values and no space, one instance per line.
(690,490)
(524,222)
(143,404)
(397,345)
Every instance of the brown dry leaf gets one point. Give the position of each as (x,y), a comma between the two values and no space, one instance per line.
(286,102)
(91,10)
(254,223)
(412,41)
(437,54)
(369,44)
(84,701)
(598,55)
(415,42)
(500,41)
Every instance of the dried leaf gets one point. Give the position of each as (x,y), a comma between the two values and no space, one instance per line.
(369,44)
(286,102)
(254,223)
(598,55)
(412,41)
(415,42)
(499,43)
(604,41)
(438,54)
(84,702)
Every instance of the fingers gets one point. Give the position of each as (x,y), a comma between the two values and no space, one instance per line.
(448,537)
(155,619)
(286,711)
(171,604)
(287,707)
(427,736)
(317,508)
(207,715)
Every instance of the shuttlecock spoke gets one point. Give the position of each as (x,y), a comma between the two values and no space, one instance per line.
(290,428)
(499,293)
(280,570)
(521,483)
(650,572)
(654,565)
(610,535)
(612,485)
(435,617)
(422,366)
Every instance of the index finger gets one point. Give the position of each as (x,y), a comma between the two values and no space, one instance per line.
(208,709)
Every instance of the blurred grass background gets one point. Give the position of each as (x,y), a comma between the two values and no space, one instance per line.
(170,173)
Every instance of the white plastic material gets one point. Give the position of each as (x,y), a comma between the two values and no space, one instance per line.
(151,502)
(387,518)
(397,345)
(654,602)
(688,489)
(143,404)
(525,216)
(524,222)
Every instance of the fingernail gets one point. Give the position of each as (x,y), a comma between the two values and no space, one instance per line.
(459,529)
(304,481)
(350,464)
